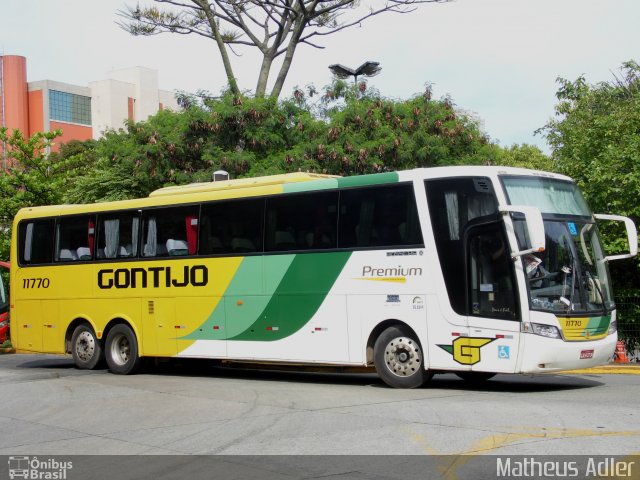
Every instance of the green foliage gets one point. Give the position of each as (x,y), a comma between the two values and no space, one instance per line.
(524,156)
(32,176)
(596,140)
(347,130)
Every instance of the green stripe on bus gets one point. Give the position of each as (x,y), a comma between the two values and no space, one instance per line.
(327,184)
(330,183)
(247,296)
(298,297)
(598,325)
(371,179)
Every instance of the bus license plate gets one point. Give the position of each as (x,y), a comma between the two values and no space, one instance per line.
(586,354)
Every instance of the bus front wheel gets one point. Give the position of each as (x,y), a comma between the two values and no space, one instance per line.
(86,349)
(399,359)
(122,350)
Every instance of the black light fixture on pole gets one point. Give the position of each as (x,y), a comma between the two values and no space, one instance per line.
(368,69)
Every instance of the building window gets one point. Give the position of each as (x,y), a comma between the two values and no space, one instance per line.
(68,107)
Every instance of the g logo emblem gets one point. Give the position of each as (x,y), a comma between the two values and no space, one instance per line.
(466,350)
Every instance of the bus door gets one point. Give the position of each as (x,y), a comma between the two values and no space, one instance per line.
(27,314)
(492,296)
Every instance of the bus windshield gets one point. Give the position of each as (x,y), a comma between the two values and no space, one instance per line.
(571,275)
(551,196)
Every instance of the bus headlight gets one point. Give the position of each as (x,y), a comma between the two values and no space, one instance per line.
(548,331)
(613,327)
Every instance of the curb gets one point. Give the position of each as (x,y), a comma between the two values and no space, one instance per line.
(613,369)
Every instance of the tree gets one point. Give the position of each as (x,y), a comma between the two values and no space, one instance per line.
(31,179)
(595,139)
(524,156)
(275,27)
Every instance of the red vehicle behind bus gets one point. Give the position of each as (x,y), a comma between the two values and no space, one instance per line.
(4,307)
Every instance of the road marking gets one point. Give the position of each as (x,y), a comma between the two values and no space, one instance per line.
(450,463)
(604,371)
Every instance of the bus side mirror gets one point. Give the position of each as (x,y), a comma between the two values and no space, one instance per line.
(535,227)
(632,235)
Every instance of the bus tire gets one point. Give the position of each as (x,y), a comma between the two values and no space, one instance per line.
(475,377)
(121,350)
(399,359)
(86,349)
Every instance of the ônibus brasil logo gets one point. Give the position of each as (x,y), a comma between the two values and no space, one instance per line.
(33,468)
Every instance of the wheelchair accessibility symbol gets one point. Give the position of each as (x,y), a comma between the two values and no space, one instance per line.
(503,352)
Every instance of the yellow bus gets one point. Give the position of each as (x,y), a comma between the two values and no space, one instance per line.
(472,270)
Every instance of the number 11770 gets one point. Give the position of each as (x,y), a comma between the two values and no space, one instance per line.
(35,283)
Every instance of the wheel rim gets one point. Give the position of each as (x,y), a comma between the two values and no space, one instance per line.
(403,357)
(120,349)
(85,346)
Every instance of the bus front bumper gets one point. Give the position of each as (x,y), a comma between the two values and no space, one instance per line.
(552,354)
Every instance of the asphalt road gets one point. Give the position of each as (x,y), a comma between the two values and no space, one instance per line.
(50,408)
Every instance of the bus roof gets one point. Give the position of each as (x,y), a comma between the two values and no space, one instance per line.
(240,183)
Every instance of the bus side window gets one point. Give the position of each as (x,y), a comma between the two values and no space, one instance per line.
(231,226)
(75,238)
(453,204)
(35,242)
(118,235)
(306,221)
(170,231)
(384,216)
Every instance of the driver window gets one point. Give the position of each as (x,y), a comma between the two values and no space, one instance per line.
(491,284)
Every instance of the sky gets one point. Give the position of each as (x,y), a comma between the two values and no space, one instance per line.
(497,58)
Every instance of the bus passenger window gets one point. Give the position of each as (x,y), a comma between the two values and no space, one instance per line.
(35,242)
(118,235)
(384,216)
(75,237)
(170,232)
(231,227)
(306,221)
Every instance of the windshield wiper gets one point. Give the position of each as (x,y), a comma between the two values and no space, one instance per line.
(569,270)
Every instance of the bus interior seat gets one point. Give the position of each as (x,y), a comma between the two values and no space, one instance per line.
(402,231)
(215,245)
(323,241)
(240,245)
(83,253)
(160,250)
(284,240)
(67,255)
(177,248)
(365,236)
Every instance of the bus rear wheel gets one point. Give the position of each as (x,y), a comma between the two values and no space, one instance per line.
(399,360)
(86,349)
(122,350)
